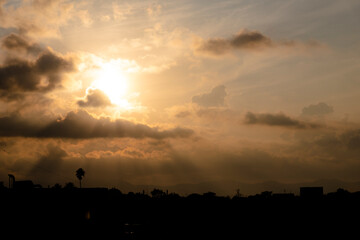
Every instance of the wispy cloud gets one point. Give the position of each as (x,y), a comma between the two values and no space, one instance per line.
(17,43)
(154,10)
(37,18)
(213,99)
(121,12)
(244,40)
(317,109)
(280,120)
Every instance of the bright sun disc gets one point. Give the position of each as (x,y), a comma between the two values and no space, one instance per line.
(111,81)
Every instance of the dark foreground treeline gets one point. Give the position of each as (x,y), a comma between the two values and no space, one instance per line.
(107,213)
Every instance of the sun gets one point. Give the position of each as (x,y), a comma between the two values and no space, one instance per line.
(110,79)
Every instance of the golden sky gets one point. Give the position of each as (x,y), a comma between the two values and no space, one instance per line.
(171,92)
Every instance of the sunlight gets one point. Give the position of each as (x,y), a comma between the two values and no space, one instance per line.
(110,80)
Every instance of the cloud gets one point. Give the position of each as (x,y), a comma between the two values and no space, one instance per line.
(154,10)
(2,2)
(11,96)
(183,114)
(21,74)
(351,138)
(37,18)
(276,120)
(15,125)
(49,163)
(15,42)
(215,98)
(245,40)
(81,125)
(317,109)
(329,145)
(121,12)
(35,105)
(175,161)
(249,39)
(95,98)
(85,18)
(43,75)
(218,115)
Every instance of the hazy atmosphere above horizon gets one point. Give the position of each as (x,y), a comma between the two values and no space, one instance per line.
(174,92)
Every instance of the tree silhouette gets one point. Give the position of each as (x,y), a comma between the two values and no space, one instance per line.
(69,185)
(57,186)
(80,173)
(157,193)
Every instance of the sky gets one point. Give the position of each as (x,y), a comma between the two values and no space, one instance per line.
(174,92)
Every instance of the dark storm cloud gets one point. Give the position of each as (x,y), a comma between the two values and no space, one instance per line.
(22,75)
(215,98)
(317,109)
(81,125)
(49,63)
(243,40)
(95,98)
(14,126)
(15,42)
(276,120)
(44,74)
(11,96)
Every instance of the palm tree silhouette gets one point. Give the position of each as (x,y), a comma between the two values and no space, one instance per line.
(80,173)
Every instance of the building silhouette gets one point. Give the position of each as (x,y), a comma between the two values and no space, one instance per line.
(21,185)
(311,192)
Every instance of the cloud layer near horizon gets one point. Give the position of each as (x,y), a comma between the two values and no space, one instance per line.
(81,125)
(174,161)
